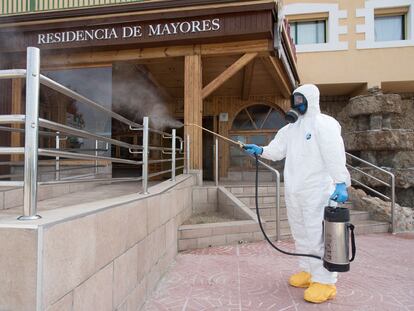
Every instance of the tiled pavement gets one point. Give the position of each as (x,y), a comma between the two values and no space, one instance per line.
(254,277)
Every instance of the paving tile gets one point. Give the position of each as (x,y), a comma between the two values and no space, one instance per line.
(254,277)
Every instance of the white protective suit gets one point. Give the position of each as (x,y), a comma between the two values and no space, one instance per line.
(315,162)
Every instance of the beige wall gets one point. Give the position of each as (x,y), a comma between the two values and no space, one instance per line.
(352,70)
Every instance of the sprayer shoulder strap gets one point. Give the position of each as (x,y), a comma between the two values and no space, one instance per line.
(353,244)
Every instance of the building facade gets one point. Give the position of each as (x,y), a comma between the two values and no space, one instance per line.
(226,65)
(363,44)
(360,54)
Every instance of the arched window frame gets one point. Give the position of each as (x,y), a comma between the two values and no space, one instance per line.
(237,160)
(245,108)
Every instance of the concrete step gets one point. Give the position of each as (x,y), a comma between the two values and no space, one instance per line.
(358,216)
(271,205)
(271,223)
(284,234)
(250,199)
(371,226)
(360,219)
(260,195)
(269,210)
(361,227)
(248,176)
(251,189)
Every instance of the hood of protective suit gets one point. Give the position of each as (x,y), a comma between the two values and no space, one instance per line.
(311,92)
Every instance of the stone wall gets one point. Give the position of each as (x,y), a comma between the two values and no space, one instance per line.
(380,210)
(106,255)
(336,106)
(379,128)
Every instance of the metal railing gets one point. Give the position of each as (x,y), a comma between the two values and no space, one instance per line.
(277,175)
(8,7)
(31,148)
(388,184)
(268,167)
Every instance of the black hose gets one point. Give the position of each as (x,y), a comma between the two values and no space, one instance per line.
(260,221)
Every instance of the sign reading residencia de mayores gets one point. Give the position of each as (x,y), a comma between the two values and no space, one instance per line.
(123,32)
(131,31)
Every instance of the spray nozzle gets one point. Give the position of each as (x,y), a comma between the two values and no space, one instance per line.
(241,145)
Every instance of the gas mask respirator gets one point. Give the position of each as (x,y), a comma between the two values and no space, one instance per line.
(299,106)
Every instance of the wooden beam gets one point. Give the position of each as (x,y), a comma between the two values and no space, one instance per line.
(237,47)
(73,60)
(193,108)
(247,80)
(227,74)
(275,70)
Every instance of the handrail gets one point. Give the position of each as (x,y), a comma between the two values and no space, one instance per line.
(21,73)
(389,185)
(277,174)
(369,163)
(51,171)
(78,97)
(19,130)
(368,175)
(12,73)
(267,166)
(31,150)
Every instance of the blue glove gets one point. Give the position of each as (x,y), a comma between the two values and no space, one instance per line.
(253,149)
(340,194)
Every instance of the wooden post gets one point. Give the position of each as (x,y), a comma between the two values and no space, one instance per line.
(16,108)
(193,108)
(247,80)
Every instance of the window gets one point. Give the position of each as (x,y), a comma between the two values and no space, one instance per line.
(94,83)
(308,32)
(258,117)
(255,124)
(390,28)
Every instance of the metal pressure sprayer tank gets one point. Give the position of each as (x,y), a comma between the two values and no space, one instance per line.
(336,228)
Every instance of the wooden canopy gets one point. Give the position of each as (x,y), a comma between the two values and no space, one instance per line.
(193,49)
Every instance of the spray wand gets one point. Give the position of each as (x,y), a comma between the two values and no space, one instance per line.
(238,143)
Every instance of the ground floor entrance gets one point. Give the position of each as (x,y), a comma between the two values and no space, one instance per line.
(234,76)
(157,88)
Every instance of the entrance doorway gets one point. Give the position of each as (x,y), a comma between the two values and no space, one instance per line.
(255,124)
(208,149)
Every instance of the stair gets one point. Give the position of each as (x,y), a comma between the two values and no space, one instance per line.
(362,220)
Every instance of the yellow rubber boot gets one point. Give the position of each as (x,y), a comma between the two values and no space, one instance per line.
(301,279)
(318,293)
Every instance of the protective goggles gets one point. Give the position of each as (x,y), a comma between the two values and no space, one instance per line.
(298,99)
(299,105)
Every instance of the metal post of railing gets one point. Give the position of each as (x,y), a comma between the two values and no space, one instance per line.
(216,166)
(145,151)
(188,154)
(96,154)
(277,206)
(393,203)
(173,147)
(57,164)
(31,135)
(277,174)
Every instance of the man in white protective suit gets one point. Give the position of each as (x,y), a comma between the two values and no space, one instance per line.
(314,172)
